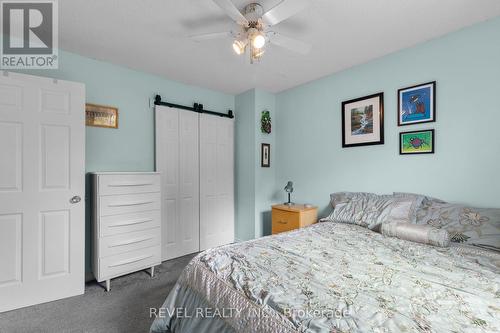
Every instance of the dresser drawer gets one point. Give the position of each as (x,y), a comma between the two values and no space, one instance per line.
(129,203)
(122,243)
(124,263)
(284,221)
(120,224)
(128,184)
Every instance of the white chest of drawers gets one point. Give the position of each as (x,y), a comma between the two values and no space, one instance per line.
(126,214)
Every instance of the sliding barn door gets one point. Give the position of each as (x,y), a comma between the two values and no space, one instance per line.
(216,181)
(42,170)
(177,159)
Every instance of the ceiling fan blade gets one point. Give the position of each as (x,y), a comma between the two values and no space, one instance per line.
(230,9)
(284,10)
(289,43)
(209,36)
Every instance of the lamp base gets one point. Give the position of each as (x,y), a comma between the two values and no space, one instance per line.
(289,203)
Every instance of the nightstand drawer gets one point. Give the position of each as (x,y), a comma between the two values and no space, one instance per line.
(290,217)
(284,221)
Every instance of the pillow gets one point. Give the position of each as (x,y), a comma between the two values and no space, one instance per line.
(425,234)
(338,198)
(371,210)
(425,200)
(474,226)
(344,197)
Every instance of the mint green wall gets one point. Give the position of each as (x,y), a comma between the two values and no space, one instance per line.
(244,170)
(254,185)
(265,178)
(131,146)
(465,167)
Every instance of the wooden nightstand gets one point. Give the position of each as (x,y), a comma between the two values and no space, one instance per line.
(286,218)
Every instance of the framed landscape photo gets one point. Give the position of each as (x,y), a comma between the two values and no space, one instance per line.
(417,142)
(417,104)
(363,121)
(265,158)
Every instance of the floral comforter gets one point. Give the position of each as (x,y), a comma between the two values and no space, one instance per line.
(336,278)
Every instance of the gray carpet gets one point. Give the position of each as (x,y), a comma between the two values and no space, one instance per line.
(124,309)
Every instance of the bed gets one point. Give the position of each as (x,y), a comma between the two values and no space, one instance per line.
(334,277)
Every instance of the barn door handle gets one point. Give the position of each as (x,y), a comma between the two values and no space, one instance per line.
(76,199)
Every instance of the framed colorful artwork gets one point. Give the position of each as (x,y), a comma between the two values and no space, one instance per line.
(265,122)
(417,104)
(363,121)
(265,158)
(101,116)
(417,142)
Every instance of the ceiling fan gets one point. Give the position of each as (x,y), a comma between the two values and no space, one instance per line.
(254,24)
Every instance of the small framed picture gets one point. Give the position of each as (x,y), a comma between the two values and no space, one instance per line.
(417,142)
(363,121)
(265,158)
(101,116)
(417,104)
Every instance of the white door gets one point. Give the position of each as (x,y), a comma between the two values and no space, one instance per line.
(42,166)
(177,160)
(216,181)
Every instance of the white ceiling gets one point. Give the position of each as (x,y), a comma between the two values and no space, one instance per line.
(152,36)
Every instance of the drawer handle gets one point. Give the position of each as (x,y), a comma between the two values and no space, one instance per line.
(131,204)
(283,222)
(134,241)
(130,184)
(130,261)
(129,223)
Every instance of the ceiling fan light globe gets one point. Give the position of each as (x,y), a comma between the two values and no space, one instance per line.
(258,41)
(239,47)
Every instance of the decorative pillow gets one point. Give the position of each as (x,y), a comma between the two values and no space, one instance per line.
(338,198)
(424,203)
(344,197)
(425,234)
(426,200)
(474,226)
(371,210)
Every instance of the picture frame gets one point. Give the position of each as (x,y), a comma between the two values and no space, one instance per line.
(101,116)
(417,142)
(363,121)
(265,122)
(417,104)
(265,155)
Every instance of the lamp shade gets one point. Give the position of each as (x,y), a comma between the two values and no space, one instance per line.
(289,187)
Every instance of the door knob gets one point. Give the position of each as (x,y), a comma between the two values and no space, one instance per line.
(76,199)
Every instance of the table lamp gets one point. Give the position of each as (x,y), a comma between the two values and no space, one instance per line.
(289,189)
